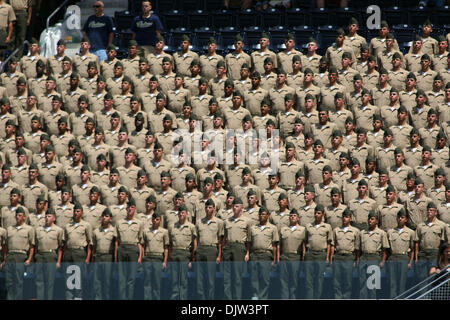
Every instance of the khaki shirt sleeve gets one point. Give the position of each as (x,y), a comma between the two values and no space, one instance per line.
(330,239)
(32,237)
(89,235)
(275,237)
(385,241)
(220,231)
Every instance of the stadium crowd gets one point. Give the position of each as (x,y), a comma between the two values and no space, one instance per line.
(264,157)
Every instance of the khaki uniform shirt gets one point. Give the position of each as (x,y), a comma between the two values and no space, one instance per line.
(183,61)
(346,239)
(237,229)
(234,63)
(8,215)
(49,238)
(104,239)
(155,62)
(313,169)
(374,241)
(401,135)
(291,239)
(361,208)
(306,214)
(311,62)
(333,215)
(427,174)
(208,65)
(397,79)
(425,79)
(401,241)
(209,231)
(412,61)
(20,238)
(417,209)
(93,214)
(430,235)
(318,236)
(9,80)
(81,63)
(51,121)
(64,214)
(263,238)
(140,196)
(28,65)
(181,236)
(130,231)
(114,85)
(284,59)
(334,55)
(156,168)
(155,240)
(81,191)
(253,98)
(78,235)
(388,215)
(31,192)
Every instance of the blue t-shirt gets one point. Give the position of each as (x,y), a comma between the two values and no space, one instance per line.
(145,29)
(98,30)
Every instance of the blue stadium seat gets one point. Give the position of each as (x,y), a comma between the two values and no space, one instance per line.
(302,35)
(222,18)
(394,15)
(173,19)
(343,16)
(201,38)
(189,5)
(161,6)
(296,17)
(123,20)
(248,18)
(416,16)
(441,15)
(321,16)
(251,37)
(198,19)
(225,39)
(174,38)
(277,38)
(326,36)
(212,5)
(272,17)
(403,33)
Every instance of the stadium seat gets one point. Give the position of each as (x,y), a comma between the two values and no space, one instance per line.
(174,38)
(302,35)
(174,19)
(212,5)
(272,17)
(198,19)
(395,15)
(123,20)
(321,16)
(416,16)
(403,33)
(296,17)
(277,38)
(248,18)
(161,6)
(441,15)
(201,38)
(343,16)
(326,36)
(225,39)
(190,5)
(251,36)
(222,18)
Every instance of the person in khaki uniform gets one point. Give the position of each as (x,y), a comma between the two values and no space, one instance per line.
(77,246)
(362,205)
(253,97)
(334,53)
(258,56)
(156,255)
(429,235)
(290,252)
(183,244)
(64,209)
(210,234)
(49,245)
(49,169)
(208,62)
(377,44)
(140,191)
(413,58)
(285,57)
(80,191)
(82,60)
(130,251)
(319,240)
(33,188)
(237,58)
(183,58)
(385,57)
(344,255)
(387,211)
(401,241)
(235,250)
(374,247)
(271,194)
(9,77)
(20,252)
(6,24)
(7,184)
(28,62)
(54,63)
(263,254)
(104,253)
(93,211)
